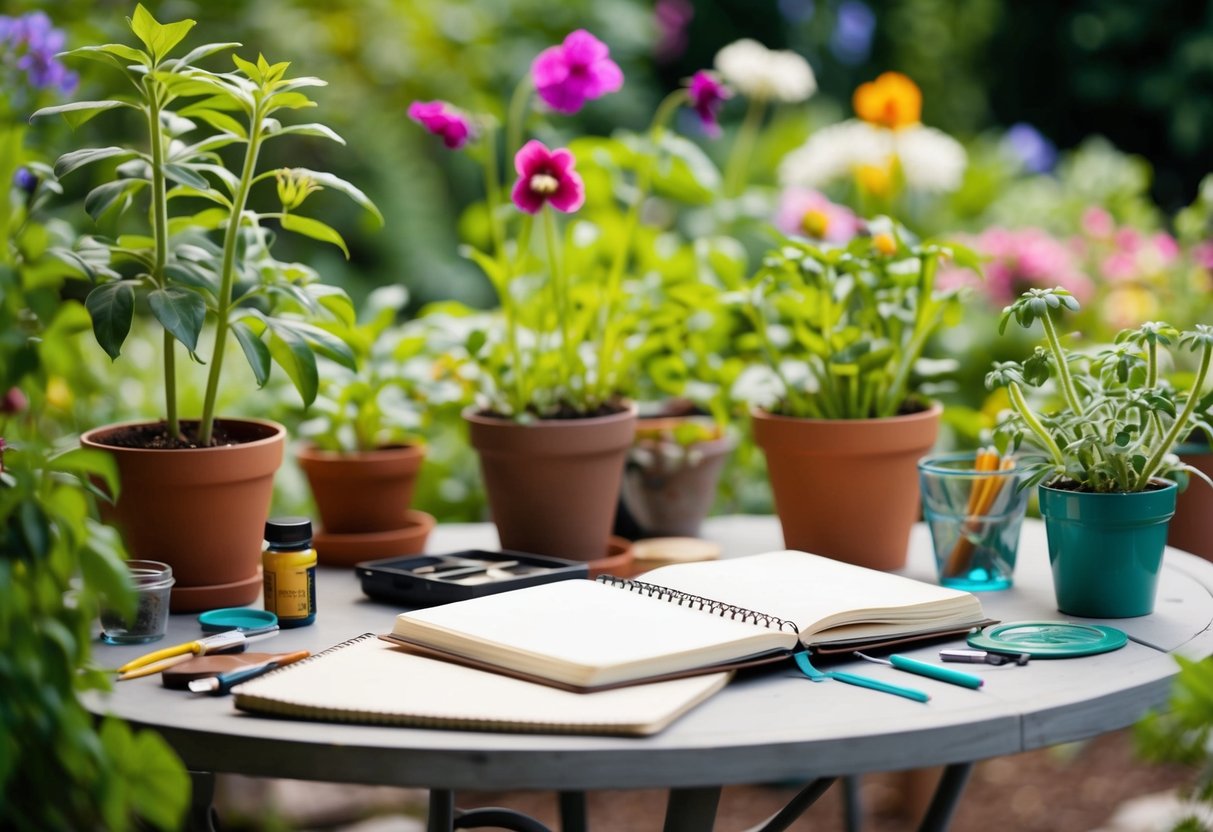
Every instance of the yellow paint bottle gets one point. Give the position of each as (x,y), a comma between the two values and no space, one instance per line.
(289,568)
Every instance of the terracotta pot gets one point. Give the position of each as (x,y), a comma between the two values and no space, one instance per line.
(669,488)
(334,549)
(362,491)
(200,510)
(847,488)
(1192,525)
(553,483)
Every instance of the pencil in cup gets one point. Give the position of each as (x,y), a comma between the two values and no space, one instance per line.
(974,508)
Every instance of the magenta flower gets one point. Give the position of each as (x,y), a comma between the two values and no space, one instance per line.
(441,119)
(806,213)
(708,94)
(1018,260)
(577,71)
(546,176)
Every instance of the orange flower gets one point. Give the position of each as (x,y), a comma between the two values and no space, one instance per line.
(885,244)
(892,101)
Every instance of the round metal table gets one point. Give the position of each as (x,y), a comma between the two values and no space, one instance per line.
(769,727)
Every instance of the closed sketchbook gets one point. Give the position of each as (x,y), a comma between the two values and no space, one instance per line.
(367,680)
(687,618)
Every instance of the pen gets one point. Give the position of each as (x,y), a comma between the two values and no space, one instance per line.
(224,682)
(225,642)
(931,671)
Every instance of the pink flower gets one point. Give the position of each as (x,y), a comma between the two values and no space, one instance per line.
(708,94)
(14,401)
(577,71)
(810,214)
(1165,246)
(441,119)
(1023,259)
(546,176)
(1096,222)
(1202,253)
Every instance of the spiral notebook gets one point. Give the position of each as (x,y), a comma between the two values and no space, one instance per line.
(686,618)
(366,680)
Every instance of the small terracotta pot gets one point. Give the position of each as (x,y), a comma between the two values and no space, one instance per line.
(553,484)
(847,488)
(1192,525)
(349,549)
(362,491)
(200,510)
(669,488)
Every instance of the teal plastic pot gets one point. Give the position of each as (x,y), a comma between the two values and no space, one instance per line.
(1106,549)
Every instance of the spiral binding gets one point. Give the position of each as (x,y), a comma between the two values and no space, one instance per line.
(686,599)
(310,658)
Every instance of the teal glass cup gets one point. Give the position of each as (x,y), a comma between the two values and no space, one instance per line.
(974,517)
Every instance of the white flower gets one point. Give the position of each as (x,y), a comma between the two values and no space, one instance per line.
(930,159)
(758,72)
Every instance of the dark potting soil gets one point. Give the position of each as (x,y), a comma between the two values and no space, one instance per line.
(1070,485)
(155,436)
(567,411)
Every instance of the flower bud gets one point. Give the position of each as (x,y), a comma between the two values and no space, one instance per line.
(294,186)
(14,401)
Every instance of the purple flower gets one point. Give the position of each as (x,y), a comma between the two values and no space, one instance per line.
(851,40)
(24,179)
(673,17)
(577,71)
(1036,153)
(441,119)
(546,176)
(38,42)
(810,214)
(708,94)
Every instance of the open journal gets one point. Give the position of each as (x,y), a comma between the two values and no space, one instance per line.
(368,680)
(686,618)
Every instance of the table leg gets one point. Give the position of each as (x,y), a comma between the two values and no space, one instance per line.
(573,813)
(201,813)
(691,810)
(947,796)
(796,807)
(441,817)
(852,806)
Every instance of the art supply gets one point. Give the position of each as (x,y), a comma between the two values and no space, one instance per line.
(367,680)
(802,661)
(984,657)
(974,509)
(224,682)
(178,677)
(931,671)
(289,571)
(247,621)
(1049,639)
(156,661)
(153,582)
(428,580)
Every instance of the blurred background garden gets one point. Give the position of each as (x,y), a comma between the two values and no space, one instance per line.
(1084,134)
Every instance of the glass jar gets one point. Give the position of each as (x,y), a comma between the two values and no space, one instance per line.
(153,582)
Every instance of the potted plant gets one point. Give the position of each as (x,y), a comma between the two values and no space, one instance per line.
(839,328)
(204,256)
(1108,447)
(553,421)
(362,452)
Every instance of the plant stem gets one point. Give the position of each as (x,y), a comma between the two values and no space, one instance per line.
(644,181)
(924,323)
(1177,427)
(515,116)
(739,158)
(227,276)
(1063,369)
(160,236)
(799,406)
(560,291)
(492,188)
(1033,422)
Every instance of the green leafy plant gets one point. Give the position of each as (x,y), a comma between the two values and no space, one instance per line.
(186,277)
(379,405)
(1181,734)
(1119,417)
(842,327)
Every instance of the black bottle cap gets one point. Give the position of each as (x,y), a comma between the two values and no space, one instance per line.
(288,531)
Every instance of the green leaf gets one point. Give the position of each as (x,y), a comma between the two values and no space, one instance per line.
(104,197)
(105,573)
(158,783)
(335,300)
(336,183)
(144,26)
(109,51)
(157,37)
(68,162)
(314,229)
(219,120)
(322,341)
(248,68)
(200,52)
(292,353)
(185,175)
(290,101)
(88,464)
(112,307)
(312,129)
(35,528)
(78,112)
(190,274)
(181,311)
(255,350)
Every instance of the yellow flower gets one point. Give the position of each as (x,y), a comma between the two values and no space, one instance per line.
(892,101)
(58,393)
(815,223)
(875,179)
(885,244)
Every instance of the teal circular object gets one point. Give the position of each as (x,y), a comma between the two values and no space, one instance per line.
(1049,639)
(237,618)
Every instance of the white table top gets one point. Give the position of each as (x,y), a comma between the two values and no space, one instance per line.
(774,727)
